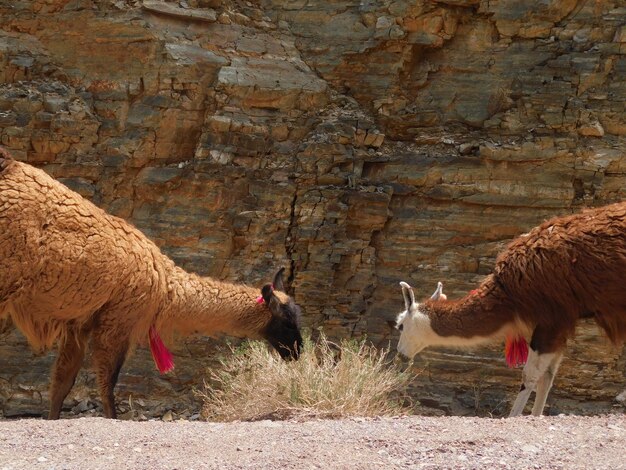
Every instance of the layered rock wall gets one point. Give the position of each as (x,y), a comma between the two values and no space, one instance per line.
(357,143)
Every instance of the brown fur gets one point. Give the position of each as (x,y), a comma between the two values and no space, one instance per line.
(459,317)
(69,272)
(568,268)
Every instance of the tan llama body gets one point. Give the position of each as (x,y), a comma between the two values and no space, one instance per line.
(66,259)
(70,272)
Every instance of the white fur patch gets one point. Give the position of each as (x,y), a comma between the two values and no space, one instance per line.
(538,367)
(535,367)
(416,332)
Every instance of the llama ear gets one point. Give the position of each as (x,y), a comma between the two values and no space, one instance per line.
(439,295)
(267,292)
(270,299)
(278,280)
(407,293)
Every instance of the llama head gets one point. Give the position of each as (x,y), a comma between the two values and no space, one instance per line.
(414,325)
(283,329)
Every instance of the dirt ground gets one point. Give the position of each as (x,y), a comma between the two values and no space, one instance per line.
(565,442)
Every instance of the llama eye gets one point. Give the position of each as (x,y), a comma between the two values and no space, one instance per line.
(400,327)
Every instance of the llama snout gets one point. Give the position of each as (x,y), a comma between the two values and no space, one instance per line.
(408,349)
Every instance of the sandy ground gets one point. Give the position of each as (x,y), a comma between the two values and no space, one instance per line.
(408,442)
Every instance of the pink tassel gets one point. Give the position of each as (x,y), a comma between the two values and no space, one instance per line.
(515,351)
(163,358)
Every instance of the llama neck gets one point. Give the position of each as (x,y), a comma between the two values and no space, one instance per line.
(483,315)
(211,307)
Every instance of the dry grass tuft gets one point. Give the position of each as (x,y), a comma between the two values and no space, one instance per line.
(328,381)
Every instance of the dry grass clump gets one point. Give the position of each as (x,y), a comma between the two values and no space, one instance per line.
(329,381)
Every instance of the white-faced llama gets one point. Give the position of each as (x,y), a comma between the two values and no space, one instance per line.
(568,268)
(70,273)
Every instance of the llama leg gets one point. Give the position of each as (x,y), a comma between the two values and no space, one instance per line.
(545,384)
(66,367)
(527,384)
(546,348)
(108,359)
(534,370)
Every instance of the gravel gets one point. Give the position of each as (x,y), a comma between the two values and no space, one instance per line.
(355,443)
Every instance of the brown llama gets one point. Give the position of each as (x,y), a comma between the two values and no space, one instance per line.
(69,273)
(568,268)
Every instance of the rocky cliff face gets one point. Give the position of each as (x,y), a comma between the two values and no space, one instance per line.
(357,143)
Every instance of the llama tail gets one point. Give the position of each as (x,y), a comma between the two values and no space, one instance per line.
(163,358)
(515,351)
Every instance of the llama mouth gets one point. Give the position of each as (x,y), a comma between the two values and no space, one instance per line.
(406,355)
(401,357)
(410,356)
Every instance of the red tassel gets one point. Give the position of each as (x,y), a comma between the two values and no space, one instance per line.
(515,351)
(163,358)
